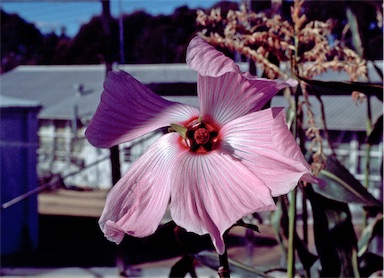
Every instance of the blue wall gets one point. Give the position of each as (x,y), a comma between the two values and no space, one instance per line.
(18,159)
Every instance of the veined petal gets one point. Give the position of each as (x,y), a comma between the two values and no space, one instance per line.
(207,61)
(232,95)
(129,110)
(263,143)
(137,203)
(214,191)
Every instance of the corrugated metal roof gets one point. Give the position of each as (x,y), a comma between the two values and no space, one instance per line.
(341,112)
(11,102)
(54,86)
(57,89)
(161,73)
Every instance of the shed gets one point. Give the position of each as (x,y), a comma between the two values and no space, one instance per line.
(18,158)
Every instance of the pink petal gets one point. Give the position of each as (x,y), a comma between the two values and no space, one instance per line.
(263,143)
(129,110)
(214,191)
(137,203)
(207,61)
(232,95)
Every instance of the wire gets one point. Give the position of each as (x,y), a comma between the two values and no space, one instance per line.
(51,184)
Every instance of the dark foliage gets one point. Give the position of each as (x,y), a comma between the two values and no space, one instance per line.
(147,39)
(157,39)
(90,46)
(20,41)
(366,12)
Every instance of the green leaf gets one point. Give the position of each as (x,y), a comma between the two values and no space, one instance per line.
(306,258)
(354,28)
(182,267)
(342,186)
(371,265)
(378,70)
(211,260)
(276,221)
(376,135)
(345,87)
(370,231)
(335,237)
(253,227)
(290,116)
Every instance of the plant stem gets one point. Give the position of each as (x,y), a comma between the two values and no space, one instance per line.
(291,235)
(305,218)
(368,151)
(223,270)
(292,210)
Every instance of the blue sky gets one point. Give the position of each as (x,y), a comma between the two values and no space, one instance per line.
(51,15)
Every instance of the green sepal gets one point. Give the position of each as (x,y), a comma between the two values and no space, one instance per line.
(180,129)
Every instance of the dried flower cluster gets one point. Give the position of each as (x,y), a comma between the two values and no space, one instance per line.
(304,48)
(305,44)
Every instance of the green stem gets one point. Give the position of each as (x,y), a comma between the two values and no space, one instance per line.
(292,209)
(368,151)
(291,235)
(305,219)
(292,204)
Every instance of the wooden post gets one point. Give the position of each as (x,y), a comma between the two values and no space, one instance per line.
(114,151)
(106,18)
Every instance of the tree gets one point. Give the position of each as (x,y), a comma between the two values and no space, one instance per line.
(20,41)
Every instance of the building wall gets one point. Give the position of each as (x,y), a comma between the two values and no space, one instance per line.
(69,153)
(18,145)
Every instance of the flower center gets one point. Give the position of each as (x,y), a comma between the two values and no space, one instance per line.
(201,137)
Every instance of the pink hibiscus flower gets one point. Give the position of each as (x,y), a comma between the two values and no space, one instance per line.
(226,160)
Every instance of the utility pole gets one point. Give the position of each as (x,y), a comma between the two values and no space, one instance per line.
(121,33)
(114,151)
(106,20)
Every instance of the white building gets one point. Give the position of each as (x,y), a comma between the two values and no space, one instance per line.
(70,94)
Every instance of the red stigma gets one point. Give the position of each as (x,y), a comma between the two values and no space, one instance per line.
(202,136)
